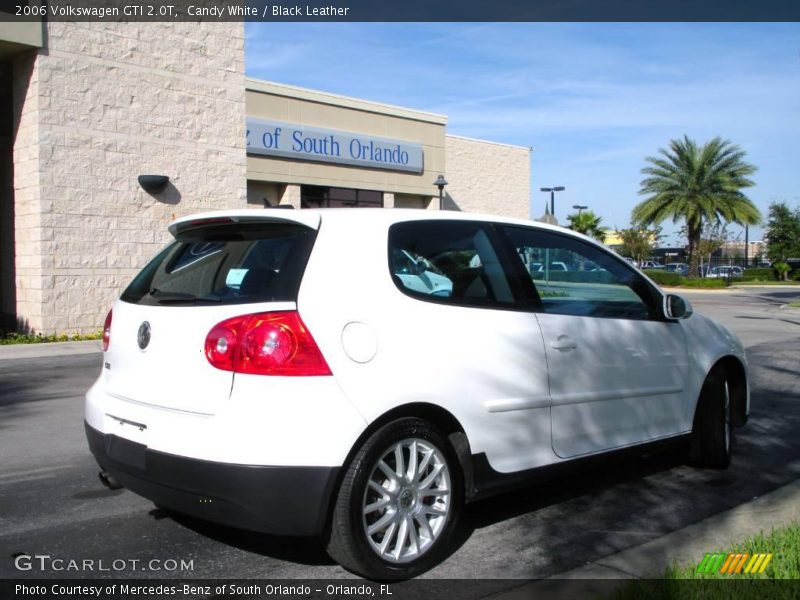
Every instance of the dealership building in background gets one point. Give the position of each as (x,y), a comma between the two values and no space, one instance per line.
(86,108)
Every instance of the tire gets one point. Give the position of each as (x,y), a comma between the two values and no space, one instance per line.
(712,432)
(378,503)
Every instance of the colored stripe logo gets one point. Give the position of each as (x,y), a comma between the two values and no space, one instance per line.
(735,563)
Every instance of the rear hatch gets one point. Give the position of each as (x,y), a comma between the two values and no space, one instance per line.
(217,268)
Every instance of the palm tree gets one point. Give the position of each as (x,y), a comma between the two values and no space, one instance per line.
(587,223)
(697,184)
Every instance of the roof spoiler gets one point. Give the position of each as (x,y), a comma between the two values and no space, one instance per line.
(184,224)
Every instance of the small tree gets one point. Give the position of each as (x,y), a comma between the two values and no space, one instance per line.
(713,237)
(783,270)
(783,232)
(637,241)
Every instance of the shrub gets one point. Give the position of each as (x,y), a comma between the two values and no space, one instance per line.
(704,283)
(760,274)
(662,277)
(7,339)
(577,276)
(782,269)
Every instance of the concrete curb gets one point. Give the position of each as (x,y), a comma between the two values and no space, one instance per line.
(727,290)
(685,291)
(17,351)
(686,546)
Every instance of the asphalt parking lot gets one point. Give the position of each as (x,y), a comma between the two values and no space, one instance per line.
(52,503)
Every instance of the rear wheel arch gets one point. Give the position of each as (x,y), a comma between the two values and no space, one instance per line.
(437,416)
(347,537)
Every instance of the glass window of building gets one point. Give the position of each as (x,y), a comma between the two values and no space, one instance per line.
(312,196)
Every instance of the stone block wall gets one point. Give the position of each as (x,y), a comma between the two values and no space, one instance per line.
(99,105)
(487,177)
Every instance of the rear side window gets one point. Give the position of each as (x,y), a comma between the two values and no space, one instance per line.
(226,264)
(452,262)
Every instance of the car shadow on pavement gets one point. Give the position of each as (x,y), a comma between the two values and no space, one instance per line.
(484,513)
(301,550)
(579,482)
(553,503)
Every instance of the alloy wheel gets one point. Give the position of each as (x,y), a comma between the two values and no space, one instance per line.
(407,500)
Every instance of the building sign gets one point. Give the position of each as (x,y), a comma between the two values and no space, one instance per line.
(276,138)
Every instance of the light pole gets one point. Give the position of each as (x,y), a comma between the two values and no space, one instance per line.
(746,245)
(579,208)
(440,183)
(553,190)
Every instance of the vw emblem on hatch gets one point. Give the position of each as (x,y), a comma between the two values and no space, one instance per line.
(143,336)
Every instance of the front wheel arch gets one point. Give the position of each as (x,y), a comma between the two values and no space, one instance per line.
(736,376)
(737,380)
(721,406)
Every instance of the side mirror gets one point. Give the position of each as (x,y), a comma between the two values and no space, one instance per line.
(676,307)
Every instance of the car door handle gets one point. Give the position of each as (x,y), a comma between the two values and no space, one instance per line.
(564,342)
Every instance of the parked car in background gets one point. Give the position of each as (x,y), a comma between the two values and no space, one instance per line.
(651,264)
(794,263)
(703,270)
(725,271)
(557,265)
(679,268)
(359,375)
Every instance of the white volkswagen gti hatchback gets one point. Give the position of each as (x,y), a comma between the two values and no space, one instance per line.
(360,374)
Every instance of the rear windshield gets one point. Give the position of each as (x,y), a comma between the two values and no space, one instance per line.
(226,264)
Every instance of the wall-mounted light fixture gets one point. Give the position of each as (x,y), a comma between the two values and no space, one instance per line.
(153,184)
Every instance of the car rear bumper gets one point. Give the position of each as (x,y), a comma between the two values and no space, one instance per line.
(270,499)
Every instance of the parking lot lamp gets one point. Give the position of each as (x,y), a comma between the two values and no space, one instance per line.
(746,245)
(440,183)
(553,190)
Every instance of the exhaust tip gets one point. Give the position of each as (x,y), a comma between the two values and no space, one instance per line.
(108,480)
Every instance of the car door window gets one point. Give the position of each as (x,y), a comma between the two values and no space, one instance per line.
(573,277)
(452,262)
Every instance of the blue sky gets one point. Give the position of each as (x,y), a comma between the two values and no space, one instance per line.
(592,99)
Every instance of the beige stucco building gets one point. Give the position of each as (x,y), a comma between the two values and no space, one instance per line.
(86,108)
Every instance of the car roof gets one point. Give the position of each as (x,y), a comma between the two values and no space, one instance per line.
(313,217)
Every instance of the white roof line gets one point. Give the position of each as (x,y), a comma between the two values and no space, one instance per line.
(471,139)
(292,91)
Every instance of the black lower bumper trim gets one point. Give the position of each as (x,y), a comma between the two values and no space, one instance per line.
(276,500)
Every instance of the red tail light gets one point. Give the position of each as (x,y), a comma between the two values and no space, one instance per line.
(271,343)
(107,331)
